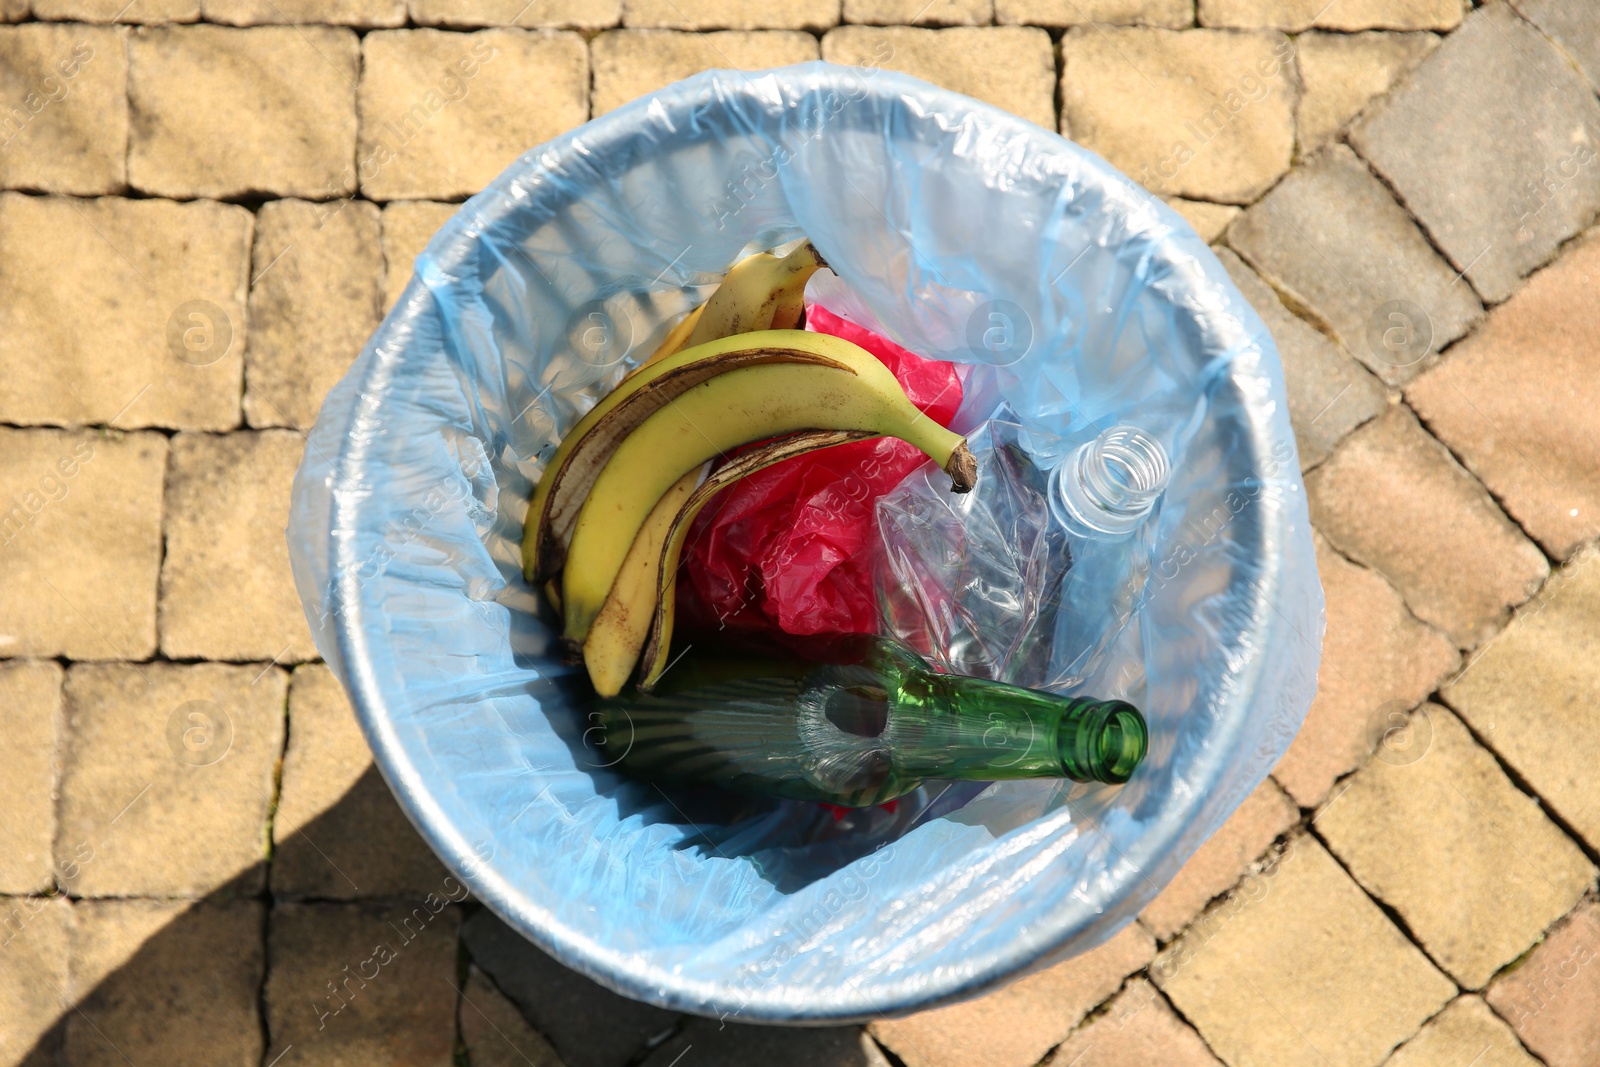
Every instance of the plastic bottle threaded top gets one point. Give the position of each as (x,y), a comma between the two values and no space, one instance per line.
(1107,487)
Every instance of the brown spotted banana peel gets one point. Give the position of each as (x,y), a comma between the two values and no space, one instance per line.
(583,452)
(639,609)
(652,657)
(720,415)
(760,292)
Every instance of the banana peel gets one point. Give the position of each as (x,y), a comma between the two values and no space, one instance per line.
(719,415)
(638,612)
(583,453)
(760,292)
(652,657)
(619,631)
(605,530)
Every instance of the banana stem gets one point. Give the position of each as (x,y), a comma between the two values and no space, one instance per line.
(962,467)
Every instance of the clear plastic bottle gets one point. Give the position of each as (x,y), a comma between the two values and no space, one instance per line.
(1101,496)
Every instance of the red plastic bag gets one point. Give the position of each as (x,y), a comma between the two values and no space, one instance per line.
(788,548)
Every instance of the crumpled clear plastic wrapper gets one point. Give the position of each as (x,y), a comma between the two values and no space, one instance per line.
(991,584)
(967,234)
(973,581)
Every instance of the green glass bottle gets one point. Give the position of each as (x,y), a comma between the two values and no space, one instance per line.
(862,722)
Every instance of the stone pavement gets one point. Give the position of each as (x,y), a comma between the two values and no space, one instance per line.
(209,204)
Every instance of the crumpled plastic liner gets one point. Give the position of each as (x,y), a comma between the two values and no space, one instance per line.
(969,235)
(791,548)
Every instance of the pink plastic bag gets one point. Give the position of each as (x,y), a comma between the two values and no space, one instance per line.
(788,548)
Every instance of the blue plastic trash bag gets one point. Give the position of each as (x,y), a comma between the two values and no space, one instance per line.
(967,234)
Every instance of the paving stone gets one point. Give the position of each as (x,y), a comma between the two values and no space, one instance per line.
(1531,694)
(494,1031)
(167,778)
(1549,997)
(1572,25)
(1434,828)
(1349,15)
(338,833)
(443,113)
(630,63)
(467,14)
(226,589)
(1172,14)
(1208,220)
(64,123)
(408,225)
(1221,861)
(80,542)
(1202,114)
(1330,394)
(1344,15)
(364,13)
(166,982)
(1466,1032)
(363,983)
(35,935)
(1517,401)
(1394,499)
(732,15)
(1496,89)
(1016,1025)
(587,1024)
(1378,662)
(223,112)
(1011,67)
(1138,1029)
(1307,971)
(710,1041)
(316,298)
(30,707)
(13,10)
(159,284)
(1332,238)
(919,12)
(148,11)
(1341,72)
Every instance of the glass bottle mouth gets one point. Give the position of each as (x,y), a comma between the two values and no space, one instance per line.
(1110,746)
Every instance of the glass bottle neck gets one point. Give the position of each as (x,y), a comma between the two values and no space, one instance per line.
(951,726)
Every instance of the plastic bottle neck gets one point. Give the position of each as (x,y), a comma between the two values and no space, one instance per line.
(1107,487)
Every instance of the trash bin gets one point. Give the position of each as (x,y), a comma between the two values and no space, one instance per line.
(971,235)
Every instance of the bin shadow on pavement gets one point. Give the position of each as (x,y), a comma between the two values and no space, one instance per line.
(252,976)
